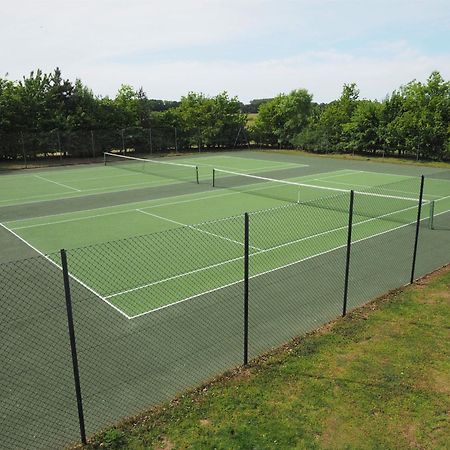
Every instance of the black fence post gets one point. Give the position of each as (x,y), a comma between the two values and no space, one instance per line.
(150,140)
(246,255)
(176,139)
(416,239)
(123,140)
(92,143)
(23,150)
(349,245)
(73,347)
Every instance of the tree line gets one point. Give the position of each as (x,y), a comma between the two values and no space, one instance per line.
(413,121)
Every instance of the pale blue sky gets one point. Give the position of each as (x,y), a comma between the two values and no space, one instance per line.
(251,48)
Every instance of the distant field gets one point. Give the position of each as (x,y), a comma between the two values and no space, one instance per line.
(251,117)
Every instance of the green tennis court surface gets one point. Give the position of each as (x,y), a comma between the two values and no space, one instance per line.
(142,256)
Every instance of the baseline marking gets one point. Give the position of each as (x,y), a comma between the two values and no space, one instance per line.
(269,271)
(193,227)
(261,252)
(59,184)
(60,268)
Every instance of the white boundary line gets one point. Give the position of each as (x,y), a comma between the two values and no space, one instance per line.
(370,187)
(256,254)
(92,191)
(269,271)
(213,195)
(55,182)
(193,227)
(71,276)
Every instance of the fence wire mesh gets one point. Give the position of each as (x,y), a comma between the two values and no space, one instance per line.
(157,314)
(37,396)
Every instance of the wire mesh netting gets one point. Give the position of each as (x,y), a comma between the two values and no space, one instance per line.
(174,322)
(37,396)
(157,314)
(164,169)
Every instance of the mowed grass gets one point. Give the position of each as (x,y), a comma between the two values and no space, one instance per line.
(357,157)
(379,378)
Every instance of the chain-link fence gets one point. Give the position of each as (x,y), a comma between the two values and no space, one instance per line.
(141,320)
(27,149)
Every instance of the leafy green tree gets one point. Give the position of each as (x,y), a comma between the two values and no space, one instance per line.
(416,118)
(282,118)
(363,130)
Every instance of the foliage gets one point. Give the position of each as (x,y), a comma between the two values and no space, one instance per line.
(414,121)
(281,118)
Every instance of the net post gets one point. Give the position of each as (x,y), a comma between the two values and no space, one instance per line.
(349,245)
(73,347)
(196,174)
(416,238)
(246,264)
(104,158)
(431,218)
(214,178)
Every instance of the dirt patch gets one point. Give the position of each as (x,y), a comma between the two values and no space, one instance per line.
(205,422)
(166,444)
(435,381)
(410,433)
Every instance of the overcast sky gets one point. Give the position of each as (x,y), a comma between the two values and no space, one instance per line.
(250,48)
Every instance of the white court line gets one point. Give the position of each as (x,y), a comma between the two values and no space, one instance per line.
(64,221)
(86,192)
(372,187)
(256,169)
(193,227)
(212,196)
(346,173)
(269,271)
(306,238)
(55,182)
(383,173)
(91,191)
(71,276)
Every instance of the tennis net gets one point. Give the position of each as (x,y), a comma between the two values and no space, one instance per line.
(366,204)
(165,169)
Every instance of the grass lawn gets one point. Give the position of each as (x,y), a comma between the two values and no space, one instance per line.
(375,158)
(380,378)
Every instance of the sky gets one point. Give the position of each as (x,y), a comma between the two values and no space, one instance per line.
(249,48)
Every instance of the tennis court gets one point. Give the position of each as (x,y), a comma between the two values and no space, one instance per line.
(156,256)
(145,255)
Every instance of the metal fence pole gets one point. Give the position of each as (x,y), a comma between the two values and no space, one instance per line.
(349,245)
(59,145)
(246,255)
(150,140)
(23,150)
(93,143)
(123,141)
(73,347)
(176,139)
(416,239)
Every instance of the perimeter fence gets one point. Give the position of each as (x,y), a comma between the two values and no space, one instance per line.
(60,146)
(95,334)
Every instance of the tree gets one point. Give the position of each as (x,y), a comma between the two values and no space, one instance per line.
(282,118)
